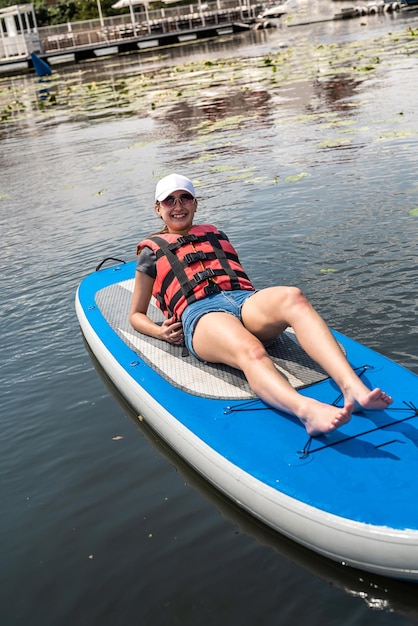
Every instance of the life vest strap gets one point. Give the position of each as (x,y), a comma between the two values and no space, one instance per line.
(223,260)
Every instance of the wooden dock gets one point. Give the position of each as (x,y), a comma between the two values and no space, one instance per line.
(76,42)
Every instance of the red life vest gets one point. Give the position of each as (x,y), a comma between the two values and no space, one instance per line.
(193,266)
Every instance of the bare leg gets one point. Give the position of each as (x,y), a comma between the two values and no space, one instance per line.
(221,338)
(268,312)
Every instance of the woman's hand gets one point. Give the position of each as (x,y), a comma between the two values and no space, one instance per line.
(172,331)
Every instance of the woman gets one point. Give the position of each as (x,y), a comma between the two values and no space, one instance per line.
(211,305)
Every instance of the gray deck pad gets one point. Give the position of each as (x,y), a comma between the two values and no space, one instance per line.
(188,373)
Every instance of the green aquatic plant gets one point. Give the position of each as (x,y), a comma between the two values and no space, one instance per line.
(296,178)
(334,143)
(413,212)
(366,68)
(203,158)
(390,135)
(338,122)
(223,168)
(209,90)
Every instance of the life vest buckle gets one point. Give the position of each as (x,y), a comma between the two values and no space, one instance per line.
(186,239)
(211,289)
(192,257)
(204,275)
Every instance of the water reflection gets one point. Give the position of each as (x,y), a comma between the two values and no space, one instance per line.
(334,92)
(212,107)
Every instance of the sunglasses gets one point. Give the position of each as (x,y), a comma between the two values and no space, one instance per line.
(185,200)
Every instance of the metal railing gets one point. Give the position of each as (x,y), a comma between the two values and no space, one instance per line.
(152,22)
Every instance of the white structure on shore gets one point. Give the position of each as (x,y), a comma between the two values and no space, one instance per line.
(140,29)
(18,32)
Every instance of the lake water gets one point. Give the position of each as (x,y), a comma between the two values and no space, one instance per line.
(303,143)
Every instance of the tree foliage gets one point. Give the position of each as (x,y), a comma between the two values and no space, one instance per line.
(62,11)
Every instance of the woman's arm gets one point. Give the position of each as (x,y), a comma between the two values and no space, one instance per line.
(169,330)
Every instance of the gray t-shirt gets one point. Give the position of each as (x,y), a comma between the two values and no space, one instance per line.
(147,263)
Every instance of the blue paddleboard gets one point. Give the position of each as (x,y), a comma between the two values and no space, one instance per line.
(349,495)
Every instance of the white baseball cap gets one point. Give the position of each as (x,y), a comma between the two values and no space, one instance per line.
(173,182)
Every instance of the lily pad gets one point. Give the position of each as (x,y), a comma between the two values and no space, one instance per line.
(296,178)
(328,270)
(413,212)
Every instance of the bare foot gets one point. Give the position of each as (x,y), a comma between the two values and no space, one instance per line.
(322,418)
(373,400)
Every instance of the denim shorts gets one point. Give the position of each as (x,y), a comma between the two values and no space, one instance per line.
(223,302)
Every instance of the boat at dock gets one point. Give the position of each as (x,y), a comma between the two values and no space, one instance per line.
(276,11)
(370,8)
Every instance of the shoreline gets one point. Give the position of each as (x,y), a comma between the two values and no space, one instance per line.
(69,48)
